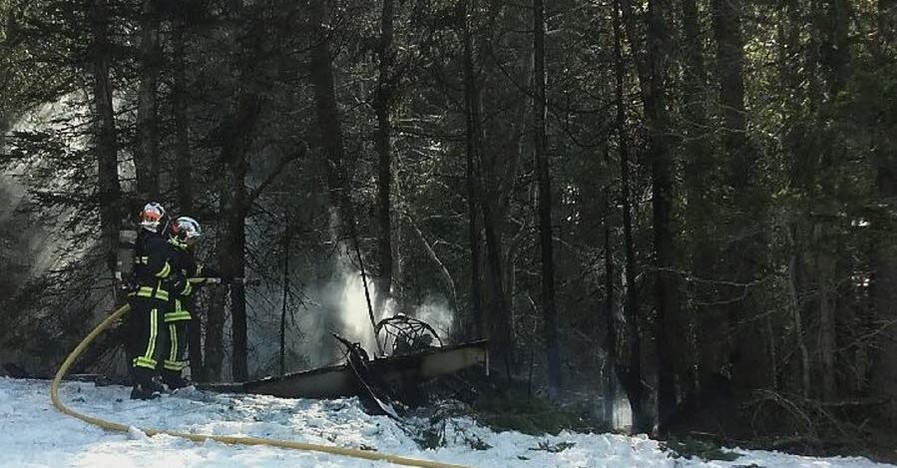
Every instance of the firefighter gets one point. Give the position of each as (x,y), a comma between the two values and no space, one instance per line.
(184,233)
(149,300)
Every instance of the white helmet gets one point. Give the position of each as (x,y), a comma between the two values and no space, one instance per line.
(186,228)
(151,216)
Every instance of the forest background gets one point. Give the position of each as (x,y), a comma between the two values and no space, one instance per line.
(689,205)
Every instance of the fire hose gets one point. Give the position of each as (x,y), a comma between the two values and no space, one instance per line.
(233,440)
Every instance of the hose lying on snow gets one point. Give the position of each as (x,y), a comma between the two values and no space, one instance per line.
(241,440)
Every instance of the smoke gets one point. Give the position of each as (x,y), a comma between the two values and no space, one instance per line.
(37,247)
(45,248)
(337,304)
(353,310)
(334,303)
(12,193)
(436,312)
(334,300)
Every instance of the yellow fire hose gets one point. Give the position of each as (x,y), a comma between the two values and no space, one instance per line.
(240,440)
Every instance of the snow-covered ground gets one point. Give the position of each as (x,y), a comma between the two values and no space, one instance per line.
(34,434)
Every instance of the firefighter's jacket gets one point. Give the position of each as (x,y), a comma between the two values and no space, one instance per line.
(191,275)
(153,269)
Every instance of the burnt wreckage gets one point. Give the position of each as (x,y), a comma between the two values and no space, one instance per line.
(415,356)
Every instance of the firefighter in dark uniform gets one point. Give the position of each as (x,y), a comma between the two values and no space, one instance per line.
(149,300)
(183,235)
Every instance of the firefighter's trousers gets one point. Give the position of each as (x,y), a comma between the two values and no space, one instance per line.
(176,322)
(147,336)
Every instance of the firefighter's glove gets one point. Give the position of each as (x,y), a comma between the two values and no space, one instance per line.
(179,285)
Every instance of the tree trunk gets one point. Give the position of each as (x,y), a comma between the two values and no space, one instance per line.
(746,253)
(233,261)
(884,287)
(699,210)
(549,311)
(184,178)
(331,133)
(236,265)
(835,60)
(109,189)
(213,350)
(632,378)
(237,132)
(180,107)
(382,106)
(146,156)
(825,269)
(287,234)
(443,269)
(796,316)
(353,237)
(472,118)
(494,318)
(835,56)
(610,323)
(331,138)
(651,73)
(499,319)
(887,29)
(236,135)
(662,205)
(795,142)
(883,380)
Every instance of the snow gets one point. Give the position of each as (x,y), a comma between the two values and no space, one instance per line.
(34,434)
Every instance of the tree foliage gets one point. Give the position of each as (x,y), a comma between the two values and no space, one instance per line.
(721,177)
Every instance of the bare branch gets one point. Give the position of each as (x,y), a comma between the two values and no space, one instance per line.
(254,194)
